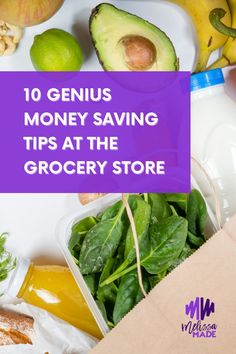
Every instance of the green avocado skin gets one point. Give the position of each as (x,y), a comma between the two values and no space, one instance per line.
(108,25)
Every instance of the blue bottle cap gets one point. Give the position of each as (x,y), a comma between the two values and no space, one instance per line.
(207,79)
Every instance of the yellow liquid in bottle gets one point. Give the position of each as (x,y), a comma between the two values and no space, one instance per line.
(54,289)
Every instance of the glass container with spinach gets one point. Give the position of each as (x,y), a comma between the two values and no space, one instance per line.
(170,227)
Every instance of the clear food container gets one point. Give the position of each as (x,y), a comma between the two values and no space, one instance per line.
(63,233)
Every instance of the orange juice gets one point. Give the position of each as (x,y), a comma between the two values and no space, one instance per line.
(54,289)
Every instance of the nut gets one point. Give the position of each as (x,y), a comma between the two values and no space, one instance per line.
(2,46)
(10,36)
(10,45)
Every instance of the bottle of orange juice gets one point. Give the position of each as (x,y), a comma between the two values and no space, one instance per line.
(54,289)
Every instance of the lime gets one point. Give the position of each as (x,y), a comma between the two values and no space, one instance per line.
(56,50)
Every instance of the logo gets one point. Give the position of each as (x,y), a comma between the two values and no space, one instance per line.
(199,310)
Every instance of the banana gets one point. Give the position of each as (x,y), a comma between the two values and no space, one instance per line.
(228,56)
(209,39)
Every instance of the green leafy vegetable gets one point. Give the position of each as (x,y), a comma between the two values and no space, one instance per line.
(111,211)
(155,279)
(119,256)
(167,241)
(170,227)
(141,216)
(79,230)
(178,199)
(197,218)
(186,252)
(102,309)
(129,294)
(108,292)
(7,262)
(196,213)
(107,269)
(174,212)
(195,241)
(160,208)
(100,244)
(92,282)
(142,221)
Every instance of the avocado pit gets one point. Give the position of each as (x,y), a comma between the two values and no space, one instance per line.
(139,52)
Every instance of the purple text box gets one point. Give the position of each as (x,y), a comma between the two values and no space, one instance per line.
(166,94)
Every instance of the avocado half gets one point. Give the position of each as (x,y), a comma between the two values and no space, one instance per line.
(125,42)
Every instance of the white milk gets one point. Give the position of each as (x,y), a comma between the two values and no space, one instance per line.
(214,139)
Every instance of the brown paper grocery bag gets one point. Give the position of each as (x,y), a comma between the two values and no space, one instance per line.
(206,283)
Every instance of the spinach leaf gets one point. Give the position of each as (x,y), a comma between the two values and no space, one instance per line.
(160,208)
(168,238)
(155,279)
(102,309)
(140,295)
(129,294)
(186,252)
(142,232)
(173,210)
(179,199)
(92,282)
(108,292)
(166,241)
(111,211)
(195,241)
(107,269)
(119,256)
(196,213)
(101,243)
(78,233)
(84,225)
(141,216)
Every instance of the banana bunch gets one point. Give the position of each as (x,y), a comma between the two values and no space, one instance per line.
(228,56)
(209,38)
